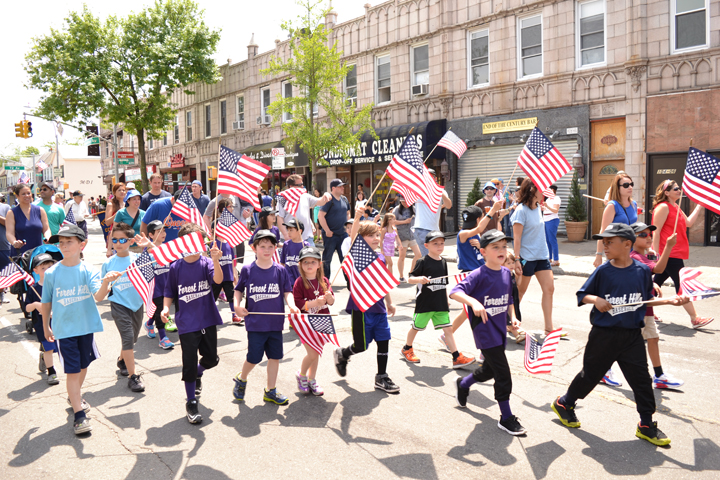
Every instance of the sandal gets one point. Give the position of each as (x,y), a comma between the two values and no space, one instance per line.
(520,336)
(658,319)
(700,322)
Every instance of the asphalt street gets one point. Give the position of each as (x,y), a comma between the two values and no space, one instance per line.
(354,431)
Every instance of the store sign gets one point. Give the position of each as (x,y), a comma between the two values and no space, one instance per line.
(134,173)
(177,161)
(509,125)
(126,155)
(278,158)
(58,172)
(381,150)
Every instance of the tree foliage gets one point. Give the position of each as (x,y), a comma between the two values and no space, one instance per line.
(14,152)
(475,194)
(316,70)
(123,70)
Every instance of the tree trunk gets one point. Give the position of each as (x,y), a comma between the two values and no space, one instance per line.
(143,169)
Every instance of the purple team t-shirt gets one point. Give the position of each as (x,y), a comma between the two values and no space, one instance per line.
(379,307)
(290,257)
(191,284)
(264,290)
(226,260)
(160,280)
(493,289)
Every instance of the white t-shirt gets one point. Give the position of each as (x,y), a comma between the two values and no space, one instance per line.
(425,218)
(307,202)
(555,203)
(80,210)
(345,246)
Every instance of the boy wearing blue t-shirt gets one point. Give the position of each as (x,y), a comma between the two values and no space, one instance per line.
(68,293)
(488,293)
(616,290)
(264,284)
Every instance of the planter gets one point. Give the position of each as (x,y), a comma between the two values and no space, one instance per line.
(576,231)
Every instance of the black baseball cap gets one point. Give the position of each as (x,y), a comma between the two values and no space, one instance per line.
(310,252)
(266,211)
(294,223)
(68,231)
(470,216)
(433,235)
(260,234)
(78,193)
(616,230)
(42,258)
(640,226)
(492,236)
(154,226)
(336,183)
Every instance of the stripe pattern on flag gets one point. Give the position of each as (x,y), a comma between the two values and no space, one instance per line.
(179,248)
(369,279)
(541,161)
(186,209)
(142,275)
(453,143)
(240,175)
(411,177)
(290,199)
(314,330)
(460,277)
(69,218)
(11,274)
(230,229)
(690,286)
(539,357)
(701,182)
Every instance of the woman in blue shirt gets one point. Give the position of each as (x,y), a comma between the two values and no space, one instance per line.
(620,209)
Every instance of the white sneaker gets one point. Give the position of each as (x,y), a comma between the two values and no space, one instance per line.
(441,339)
(667,381)
(611,379)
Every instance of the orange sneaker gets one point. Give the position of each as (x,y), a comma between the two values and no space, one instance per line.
(463,361)
(409,355)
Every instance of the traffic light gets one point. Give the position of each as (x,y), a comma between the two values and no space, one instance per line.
(93,148)
(212,173)
(20,130)
(28,129)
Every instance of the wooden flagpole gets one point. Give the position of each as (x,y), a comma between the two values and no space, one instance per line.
(679,210)
(217,199)
(594,198)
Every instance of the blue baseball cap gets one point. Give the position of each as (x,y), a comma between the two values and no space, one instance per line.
(130,194)
(489,185)
(197,182)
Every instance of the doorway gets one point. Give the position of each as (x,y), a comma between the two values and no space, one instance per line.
(607,154)
(363,176)
(603,176)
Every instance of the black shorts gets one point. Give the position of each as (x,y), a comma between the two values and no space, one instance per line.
(227,287)
(203,341)
(531,267)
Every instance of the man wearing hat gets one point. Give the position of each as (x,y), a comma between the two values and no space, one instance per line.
(306,204)
(55,213)
(425,220)
(156,192)
(332,218)
(80,210)
(201,200)
(486,203)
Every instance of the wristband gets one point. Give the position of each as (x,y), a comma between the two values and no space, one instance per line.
(599,253)
(488,215)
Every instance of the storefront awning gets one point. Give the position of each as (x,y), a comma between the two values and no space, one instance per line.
(264,153)
(427,134)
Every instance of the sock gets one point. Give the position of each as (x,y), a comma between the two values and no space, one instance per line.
(382,356)
(407,347)
(658,371)
(79,415)
(455,355)
(347,352)
(468,381)
(231,302)
(161,333)
(51,370)
(190,390)
(201,370)
(568,400)
(505,409)
(150,322)
(646,419)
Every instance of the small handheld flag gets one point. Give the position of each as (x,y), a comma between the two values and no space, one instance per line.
(178,248)
(314,330)
(701,182)
(411,177)
(11,274)
(369,278)
(142,275)
(230,229)
(539,357)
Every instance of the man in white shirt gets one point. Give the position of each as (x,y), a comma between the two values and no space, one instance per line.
(307,202)
(80,209)
(427,221)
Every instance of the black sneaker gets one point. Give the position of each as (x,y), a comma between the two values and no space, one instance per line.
(193,415)
(565,414)
(512,426)
(383,382)
(652,434)
(461,393)
(340,362)
(198,386)
(135,383)
(123,369)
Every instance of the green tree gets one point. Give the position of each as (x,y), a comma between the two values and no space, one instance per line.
(316,69)
(123,70)
(575,211)
(475,194)
(14,152)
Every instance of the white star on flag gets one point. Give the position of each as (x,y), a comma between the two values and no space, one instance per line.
(701,182)
(541,161)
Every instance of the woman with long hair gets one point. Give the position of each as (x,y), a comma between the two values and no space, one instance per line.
(665,214)
(621,208)
(531,250)
(404,215)
(113,206)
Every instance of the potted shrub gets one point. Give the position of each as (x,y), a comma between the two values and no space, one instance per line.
(575,214)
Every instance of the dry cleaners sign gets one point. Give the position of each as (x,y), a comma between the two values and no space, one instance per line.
(381,150)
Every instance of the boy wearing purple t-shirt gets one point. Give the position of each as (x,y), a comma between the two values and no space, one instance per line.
(190,282)
(488,293)
(156,233)
(264,284)
(290,255)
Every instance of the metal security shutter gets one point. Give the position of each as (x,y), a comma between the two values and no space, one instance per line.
(498,162)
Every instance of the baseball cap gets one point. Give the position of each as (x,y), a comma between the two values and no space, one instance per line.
(294,223)
(130,194)
(489,185)
(42,258)
(640,226)
(68,231)
(266,211)
(470,216)
(154,226)
(260,234)
(48,185)
(349,221)
(492,236)
(78,193)
(130,186)
(433,235)
(431,170)
(197,182)
(616,230)
(336,183)
(310,252)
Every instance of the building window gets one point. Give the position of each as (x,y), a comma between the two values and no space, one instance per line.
(223,117)
(287,93)
(350,86)
(382,73)
(479,66)
(530,46)
(241,111)
(176,131)
(689,24)
(107,149)
(150,141)
(208,121)
(591,33)
(188,124)
(420,65)
(265,96)
(132,143)
(164,140)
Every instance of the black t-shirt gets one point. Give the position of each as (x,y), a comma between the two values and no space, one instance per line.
(31,297)
(433,296)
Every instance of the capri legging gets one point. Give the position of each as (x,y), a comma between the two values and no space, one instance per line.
(672,270)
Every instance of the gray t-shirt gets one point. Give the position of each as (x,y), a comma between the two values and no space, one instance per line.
(4,244)
(404,230)
(240,205)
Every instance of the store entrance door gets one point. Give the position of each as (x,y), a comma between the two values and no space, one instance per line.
(603,176)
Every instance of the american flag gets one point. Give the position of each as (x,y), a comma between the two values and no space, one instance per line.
(142,275)
(69,218)
(186,209)
(11,274)
(701,182)
(278,252)
(541,161)
(290,199)
(461,276)
(315,330)
(370,280)
(240,175)
(412,178)
(230,229)
(40,165)
(548,193)
(23,178)
(691,287)
(179,248)
(453,143)
(539,357)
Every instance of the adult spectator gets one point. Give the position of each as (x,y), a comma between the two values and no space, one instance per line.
(25,224)
(4,244)
(487,202)
(55,213)
(360,189)
(665,212)
(621,208)
(266,199)
(242,211)
(156,192)
(332,218)
(80,210)
(551,208)
(360,196)
(131,214)
(404,216)
(427,221)
(59,199)
(531,250)
(201,200)
(115,203)
(306,203)
(159,210)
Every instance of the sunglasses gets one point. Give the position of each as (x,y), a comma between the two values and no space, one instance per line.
(122,241)
(645,235)
(626,185)
(676,189)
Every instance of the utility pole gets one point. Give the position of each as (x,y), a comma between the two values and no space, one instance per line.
(34,173)
(115,159)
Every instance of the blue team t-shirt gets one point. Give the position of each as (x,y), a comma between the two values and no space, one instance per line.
(70,291)
(226,260)
(493,289)
(533,246)
(619,286)
(159,210)
(191,284)
(469,257)
(290,257)
(264,290)
(123,291)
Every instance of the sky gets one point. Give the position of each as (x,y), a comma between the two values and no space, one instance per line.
(22,22)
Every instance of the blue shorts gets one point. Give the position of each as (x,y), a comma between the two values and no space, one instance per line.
(76,353)
(531,267)
(367,326)
(268,343)
(40,332)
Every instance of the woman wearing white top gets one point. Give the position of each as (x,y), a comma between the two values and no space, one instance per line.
(551,208)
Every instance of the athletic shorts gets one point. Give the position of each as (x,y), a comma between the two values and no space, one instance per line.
(76,353)
(531,267)
(40,332)
(203,341)
(650,329)
(368,327)
(269,344)
(408,243)
(128,324)
(439,320)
